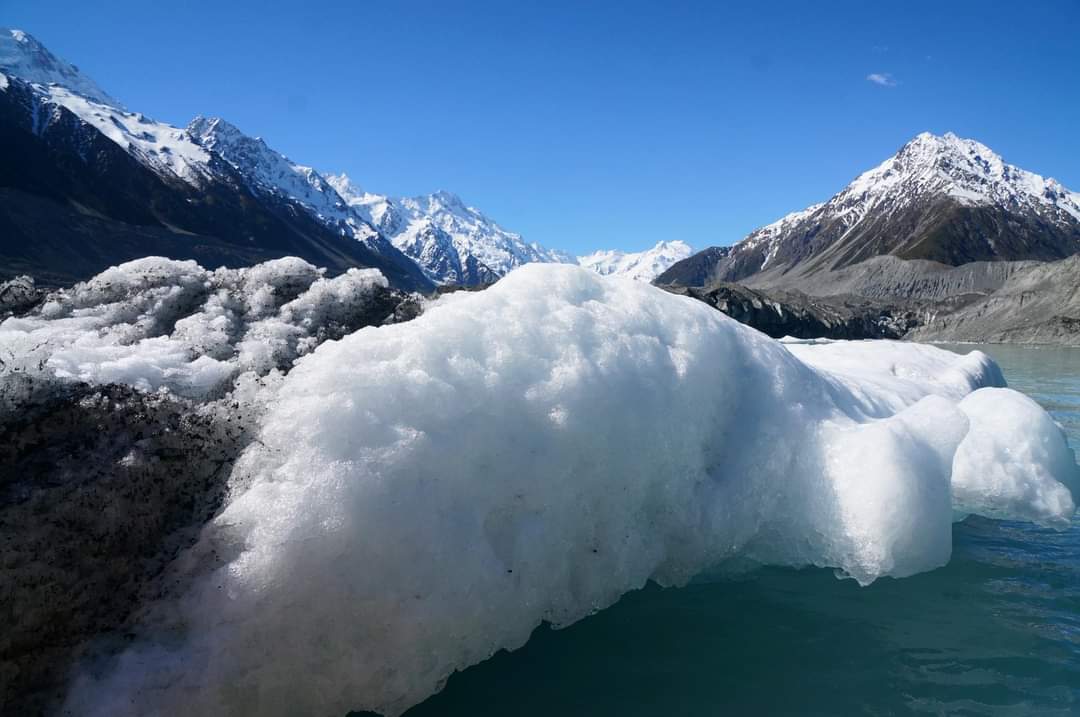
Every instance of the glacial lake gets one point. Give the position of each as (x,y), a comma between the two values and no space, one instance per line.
(996,632)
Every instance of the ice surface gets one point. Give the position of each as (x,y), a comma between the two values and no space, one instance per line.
(1014,461)
(424,494)
(156,323)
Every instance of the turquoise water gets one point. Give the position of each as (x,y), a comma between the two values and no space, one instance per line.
(996,632)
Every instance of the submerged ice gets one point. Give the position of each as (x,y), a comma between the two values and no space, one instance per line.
(423,494)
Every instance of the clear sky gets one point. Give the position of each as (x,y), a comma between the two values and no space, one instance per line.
(588,125)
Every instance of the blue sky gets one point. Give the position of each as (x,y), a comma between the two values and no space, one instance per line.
(588,125)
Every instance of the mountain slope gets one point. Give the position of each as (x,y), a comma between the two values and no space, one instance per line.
(454,244)
(23,56)
(111,185)
(640,266)
(942,199)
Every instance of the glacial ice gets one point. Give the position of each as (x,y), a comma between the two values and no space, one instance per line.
(156,323)
(1011,463)
(426,493)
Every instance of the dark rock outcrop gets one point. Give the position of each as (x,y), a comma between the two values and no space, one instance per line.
(794,314)
(18,295)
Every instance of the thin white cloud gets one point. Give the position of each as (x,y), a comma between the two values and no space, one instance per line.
(882,78)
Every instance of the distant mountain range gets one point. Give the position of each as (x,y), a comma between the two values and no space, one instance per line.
(642,266)
(451,242)
(86,183)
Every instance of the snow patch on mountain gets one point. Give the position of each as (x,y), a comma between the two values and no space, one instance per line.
(640,266)
(770,234)
(167,150)
(267,171)
(21,55)
(453,243)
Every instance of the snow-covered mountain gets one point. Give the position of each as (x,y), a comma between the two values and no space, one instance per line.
(161,147)
(641,266)
(422,240)
(940,198)
(452,242)
(212,192)
(269,172)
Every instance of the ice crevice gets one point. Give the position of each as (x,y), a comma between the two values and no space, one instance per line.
(425,493)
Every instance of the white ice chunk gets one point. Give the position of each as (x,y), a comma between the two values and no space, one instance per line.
(1014,462)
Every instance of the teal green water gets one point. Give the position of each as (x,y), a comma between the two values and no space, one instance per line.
(996,632)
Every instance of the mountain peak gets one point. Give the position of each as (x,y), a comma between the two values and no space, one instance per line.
(965,170)
(344,185)
(931,147)
(211,130)
(448,199)
(22,56)
(940,197)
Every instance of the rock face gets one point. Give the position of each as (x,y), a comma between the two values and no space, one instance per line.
(886,297)
(797,315)
(890,278)
(18,295)
(1036,302)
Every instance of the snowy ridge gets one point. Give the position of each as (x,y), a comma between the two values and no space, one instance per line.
(640,266)
(964,169)
(270,172)
(21,55)
(56,84)
(167,150)
(432,491)
(445,236)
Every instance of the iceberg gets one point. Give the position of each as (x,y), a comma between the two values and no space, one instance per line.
(426,493)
